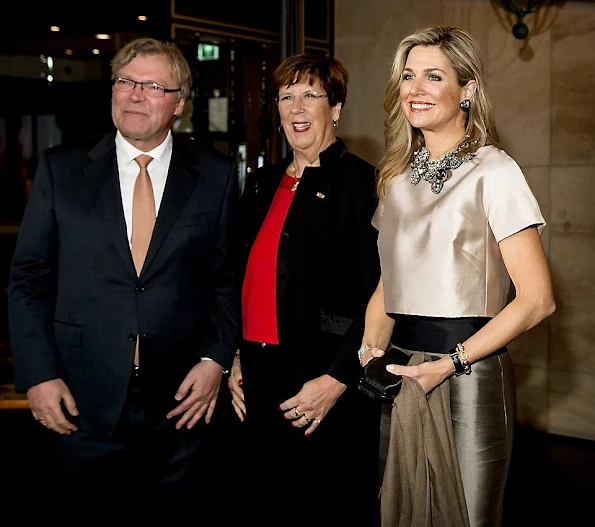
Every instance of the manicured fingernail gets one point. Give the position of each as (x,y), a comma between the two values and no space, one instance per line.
(390,368)
(240,381)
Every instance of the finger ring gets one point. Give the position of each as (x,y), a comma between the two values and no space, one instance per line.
(317,421)
(309,419)
(297,414)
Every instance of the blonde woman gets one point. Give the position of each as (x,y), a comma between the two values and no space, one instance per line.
(457,221)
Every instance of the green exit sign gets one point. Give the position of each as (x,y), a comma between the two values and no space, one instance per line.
(208,52)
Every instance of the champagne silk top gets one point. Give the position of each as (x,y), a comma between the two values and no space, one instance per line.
(439,253)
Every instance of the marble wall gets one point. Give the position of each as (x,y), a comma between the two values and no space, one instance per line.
(543,95)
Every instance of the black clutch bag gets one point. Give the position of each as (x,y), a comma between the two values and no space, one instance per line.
(379,384)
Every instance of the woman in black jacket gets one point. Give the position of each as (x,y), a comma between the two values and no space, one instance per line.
(309,264)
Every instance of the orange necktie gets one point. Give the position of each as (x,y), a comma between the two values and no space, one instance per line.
(143,213)
(143,219)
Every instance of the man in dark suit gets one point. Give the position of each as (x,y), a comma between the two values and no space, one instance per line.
(122,306)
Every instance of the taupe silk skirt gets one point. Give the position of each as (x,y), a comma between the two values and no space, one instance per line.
(482,407)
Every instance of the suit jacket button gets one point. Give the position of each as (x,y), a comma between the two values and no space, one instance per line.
(132,337)
(140,289)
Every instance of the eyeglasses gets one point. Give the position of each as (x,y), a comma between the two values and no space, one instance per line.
(308,98)
(150,89)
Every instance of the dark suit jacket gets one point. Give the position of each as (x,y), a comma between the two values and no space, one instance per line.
(76,303)
(327,263)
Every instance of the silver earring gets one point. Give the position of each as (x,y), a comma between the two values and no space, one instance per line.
(335,123)
(465,105)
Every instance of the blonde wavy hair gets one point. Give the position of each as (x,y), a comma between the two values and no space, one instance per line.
(401,139)
(150,46)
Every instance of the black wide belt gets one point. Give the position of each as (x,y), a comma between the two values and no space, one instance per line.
(434,334)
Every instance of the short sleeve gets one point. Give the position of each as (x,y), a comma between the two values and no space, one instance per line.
(509,203)
(378,215)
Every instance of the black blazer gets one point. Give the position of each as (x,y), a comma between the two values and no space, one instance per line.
(328,264)
(76,303)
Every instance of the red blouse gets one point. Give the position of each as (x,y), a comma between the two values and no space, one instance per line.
(259,291)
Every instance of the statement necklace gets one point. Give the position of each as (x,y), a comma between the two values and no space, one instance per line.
(437,172)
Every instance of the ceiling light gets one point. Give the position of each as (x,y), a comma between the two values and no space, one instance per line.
(142,18)
(102,36)
(95,51)
(54,28)
(68,51)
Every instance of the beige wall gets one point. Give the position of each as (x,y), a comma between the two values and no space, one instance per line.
(543,89)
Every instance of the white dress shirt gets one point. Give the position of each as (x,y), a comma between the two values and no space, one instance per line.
(128,170)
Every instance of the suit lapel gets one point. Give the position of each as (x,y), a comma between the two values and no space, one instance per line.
(310,207)
(310,202)
(101,178)
(181,180)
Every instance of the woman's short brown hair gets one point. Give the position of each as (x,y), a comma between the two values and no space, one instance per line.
(312,67)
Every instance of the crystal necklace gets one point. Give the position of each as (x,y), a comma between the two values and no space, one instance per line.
(438,171)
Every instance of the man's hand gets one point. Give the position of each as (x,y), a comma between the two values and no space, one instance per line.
(198,393)
(45,401)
